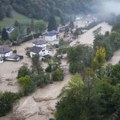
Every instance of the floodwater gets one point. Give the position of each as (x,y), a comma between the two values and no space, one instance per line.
(41,104)
(115,59)
(88,37)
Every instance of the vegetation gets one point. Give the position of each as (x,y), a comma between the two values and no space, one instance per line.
(58,75)
(23,71)
(7,100)
(79,57)
(94,95)
(26,84)
(52,23)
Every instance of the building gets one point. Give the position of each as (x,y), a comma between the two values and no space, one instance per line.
(1,60)
(51,36)
(40,43)
(5,51)
(39,51)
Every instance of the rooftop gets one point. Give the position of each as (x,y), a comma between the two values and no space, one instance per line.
(5,49)
(36,49)
(39,42)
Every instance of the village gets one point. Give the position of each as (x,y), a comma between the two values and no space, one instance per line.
(13,57)
(43,101)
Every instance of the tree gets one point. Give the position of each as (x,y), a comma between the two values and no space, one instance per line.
(99,59)
(102,95)
(52,25)
(58,75)
(2,12)
(4,34)
(72,104)
(7,100)
(36,64)
(26,84)
(115,74)
(9,11)
(23,71)
(40,26)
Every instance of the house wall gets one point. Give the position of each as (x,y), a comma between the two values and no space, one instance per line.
(50,38)
(43,46)
(41,53)
(6,55)
(32,54)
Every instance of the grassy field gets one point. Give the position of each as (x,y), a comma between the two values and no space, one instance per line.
(16,16)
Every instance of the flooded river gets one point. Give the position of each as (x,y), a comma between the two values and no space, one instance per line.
(41,104)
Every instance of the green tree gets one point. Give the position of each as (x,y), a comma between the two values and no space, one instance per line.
(58,75)
(26,84)
(72,104)
(40,26)
(115,74)
(99,59)
(36,64)
(7,100)
(23,71)
(4,34)
(52,25)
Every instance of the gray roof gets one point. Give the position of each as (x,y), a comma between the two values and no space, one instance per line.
(13,56)
(39,42)
(5,49)
(36,49)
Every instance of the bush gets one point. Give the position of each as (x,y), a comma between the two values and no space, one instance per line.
(23,71)
(58,75)
(42,79)
(7,100)
(26,84)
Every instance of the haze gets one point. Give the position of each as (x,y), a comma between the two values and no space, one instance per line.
(111,7)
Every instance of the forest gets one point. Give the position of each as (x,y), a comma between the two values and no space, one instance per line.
(42,9)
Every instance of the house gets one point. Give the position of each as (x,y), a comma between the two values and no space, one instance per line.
(39,51)
(10,29)
(40,43)
(51,36)
(5,51)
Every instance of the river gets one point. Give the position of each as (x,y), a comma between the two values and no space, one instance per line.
(41,104)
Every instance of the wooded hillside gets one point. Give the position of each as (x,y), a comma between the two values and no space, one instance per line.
(42,9)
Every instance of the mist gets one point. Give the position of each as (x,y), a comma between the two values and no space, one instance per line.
(111,7)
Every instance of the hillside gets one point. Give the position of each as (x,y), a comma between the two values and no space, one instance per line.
(15,17)
(42,9)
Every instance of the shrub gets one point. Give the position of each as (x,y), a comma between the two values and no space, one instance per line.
(42,79)
(58,75)
(6,102)
(26,84)
(23,71)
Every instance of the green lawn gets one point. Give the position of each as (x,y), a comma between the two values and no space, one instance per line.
(16,16)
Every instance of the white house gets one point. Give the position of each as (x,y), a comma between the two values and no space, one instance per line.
(39,51)
(40,43)
(51,36)
(5,51)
